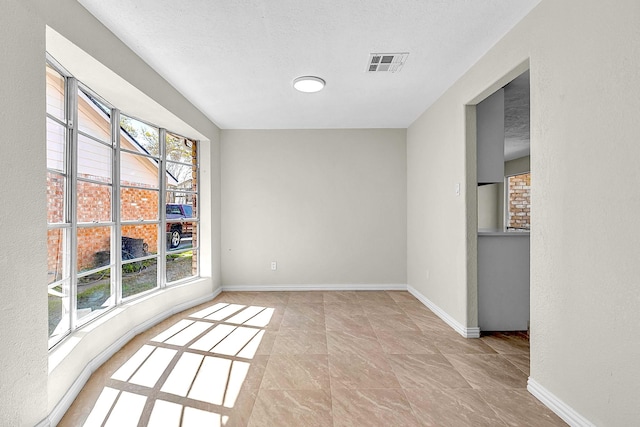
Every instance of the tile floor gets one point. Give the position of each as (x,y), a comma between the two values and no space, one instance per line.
(312,359)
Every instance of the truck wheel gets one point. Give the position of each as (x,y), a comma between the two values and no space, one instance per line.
(175,238)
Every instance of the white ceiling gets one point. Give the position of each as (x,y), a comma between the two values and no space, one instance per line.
(236,60)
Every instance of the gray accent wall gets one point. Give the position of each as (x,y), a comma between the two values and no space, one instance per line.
(329,206)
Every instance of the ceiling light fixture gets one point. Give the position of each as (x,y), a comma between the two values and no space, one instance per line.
(308,84)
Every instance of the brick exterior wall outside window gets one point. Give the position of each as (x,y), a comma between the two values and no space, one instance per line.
(94,204)
(55,197)
(138,203)
(94,201)
(55,254)
(94,218)
(91,241)
(519,201)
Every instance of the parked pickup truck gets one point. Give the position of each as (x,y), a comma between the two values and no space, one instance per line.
(177,230)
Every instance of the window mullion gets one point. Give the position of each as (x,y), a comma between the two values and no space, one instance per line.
(196,208)
(116,244)
(81,282)
(72,208)
(162,210)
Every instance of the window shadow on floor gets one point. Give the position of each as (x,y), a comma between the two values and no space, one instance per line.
(193,373)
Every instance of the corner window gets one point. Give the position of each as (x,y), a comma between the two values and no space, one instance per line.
(122,205)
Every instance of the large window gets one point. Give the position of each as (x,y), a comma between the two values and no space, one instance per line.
(122,205)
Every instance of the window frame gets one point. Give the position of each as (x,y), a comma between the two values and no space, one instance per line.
(66,224)
(195,214)
(70,223)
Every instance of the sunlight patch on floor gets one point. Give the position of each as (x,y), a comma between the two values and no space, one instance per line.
(201,360)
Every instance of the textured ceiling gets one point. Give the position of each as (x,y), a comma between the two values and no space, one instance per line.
(517,117)
(236,60)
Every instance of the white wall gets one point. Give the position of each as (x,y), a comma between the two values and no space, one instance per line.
(490,206)
(490,138)
(585,65)
(29,392)
(23,316)
(328,205)
(517,166)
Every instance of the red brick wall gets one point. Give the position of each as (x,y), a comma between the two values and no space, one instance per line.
(147,232)
(55,197)
(138,203)
(55,214)
(54,246)
(90,241)
(520,201)
(94,204)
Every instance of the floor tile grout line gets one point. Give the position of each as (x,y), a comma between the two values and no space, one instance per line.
(505,422)
(413,411)
(363,300)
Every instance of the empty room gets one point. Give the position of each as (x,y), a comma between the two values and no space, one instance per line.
(320,213)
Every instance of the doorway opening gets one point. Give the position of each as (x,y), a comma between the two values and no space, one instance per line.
(503,204)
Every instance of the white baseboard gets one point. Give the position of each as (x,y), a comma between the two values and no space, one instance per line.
(63,405)
(332,287)
(561,409)
(466,332)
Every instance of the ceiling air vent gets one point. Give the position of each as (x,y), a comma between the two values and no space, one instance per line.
(386,62)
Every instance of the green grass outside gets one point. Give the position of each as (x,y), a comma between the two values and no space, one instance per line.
(138,277)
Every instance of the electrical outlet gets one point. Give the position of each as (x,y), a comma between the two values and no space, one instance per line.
(274,265)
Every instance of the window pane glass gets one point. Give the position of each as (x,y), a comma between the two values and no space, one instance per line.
(55,93)
(179,210)
(55,145)
(138,136)
(519,194)
(56,255)
(139,171)
(58,302)
(182,265)
(94,293)
(93,243)
(94,160)
(180,149)
(94,202)
(180,177)
(93,117)
(55,197)
(181,235)
(139,276)
(137,204)
(139,241)
(182,199)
